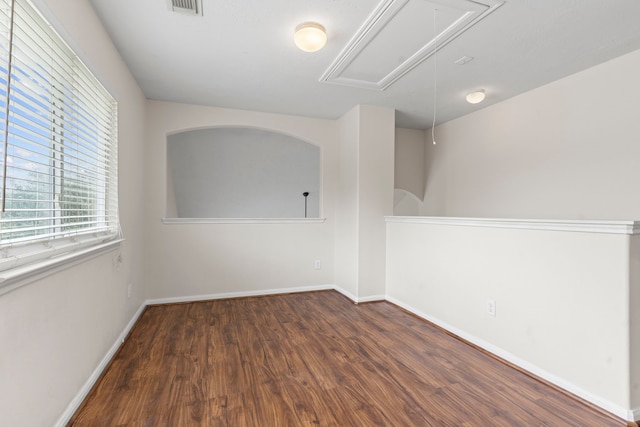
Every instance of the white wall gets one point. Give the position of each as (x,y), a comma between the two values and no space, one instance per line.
(365,194)
(347,221)
(405,203)
(375,196)
(634,330)
(409,167)
(186,260)
(566,150)
(562,298)
(567,302)
(55,332)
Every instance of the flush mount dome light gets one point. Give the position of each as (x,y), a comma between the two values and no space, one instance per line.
(476,97)
(310,36)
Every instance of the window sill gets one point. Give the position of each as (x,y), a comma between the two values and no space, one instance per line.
(173,221)
(17,277)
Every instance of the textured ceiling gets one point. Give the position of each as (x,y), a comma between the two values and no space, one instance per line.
(240,53)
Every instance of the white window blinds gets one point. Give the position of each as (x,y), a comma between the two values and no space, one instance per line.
(58,150)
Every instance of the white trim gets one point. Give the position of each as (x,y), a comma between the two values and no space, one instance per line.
(347,294)
(571,388)
(585,226)
(16,277)
(385,13)
(327,287)
(173,300)
(357,300)
(97,372)
(173,221)
(372,298)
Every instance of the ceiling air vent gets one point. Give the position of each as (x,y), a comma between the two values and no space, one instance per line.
(188,7)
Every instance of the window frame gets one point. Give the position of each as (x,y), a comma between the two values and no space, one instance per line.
(98,229)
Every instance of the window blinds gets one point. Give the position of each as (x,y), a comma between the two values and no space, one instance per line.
(58,150)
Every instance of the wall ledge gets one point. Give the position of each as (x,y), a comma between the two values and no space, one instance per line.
(630,227)
(174,221)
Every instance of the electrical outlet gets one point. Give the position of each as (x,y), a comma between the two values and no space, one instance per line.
(491,307)
(129,289)
(317,264)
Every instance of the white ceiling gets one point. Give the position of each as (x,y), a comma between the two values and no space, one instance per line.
(240,53)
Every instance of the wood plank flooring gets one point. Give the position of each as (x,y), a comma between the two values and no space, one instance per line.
(313,359)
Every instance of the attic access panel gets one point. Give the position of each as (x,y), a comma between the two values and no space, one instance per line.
(398,36)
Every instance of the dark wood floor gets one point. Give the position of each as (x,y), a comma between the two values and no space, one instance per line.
(313,359)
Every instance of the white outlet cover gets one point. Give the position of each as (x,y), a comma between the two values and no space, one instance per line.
(491,307)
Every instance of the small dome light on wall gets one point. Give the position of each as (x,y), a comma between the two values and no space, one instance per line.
(310,36)
(476,96)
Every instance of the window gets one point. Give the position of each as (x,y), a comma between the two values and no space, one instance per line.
(58,158)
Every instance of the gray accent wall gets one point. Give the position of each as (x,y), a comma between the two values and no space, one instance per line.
(235,172)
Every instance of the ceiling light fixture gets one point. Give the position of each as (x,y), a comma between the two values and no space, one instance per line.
(310,36)
(476,96)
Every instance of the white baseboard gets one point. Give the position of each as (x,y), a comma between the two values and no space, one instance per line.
(328,287)
(614,409)
(358,300)
(347,294)
(372,298)
(241,294)
(88,385)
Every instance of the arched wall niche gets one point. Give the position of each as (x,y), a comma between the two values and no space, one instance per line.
(241,172)
(405,203)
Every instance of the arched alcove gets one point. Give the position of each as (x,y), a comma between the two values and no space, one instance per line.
(405,203)
(237,172)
